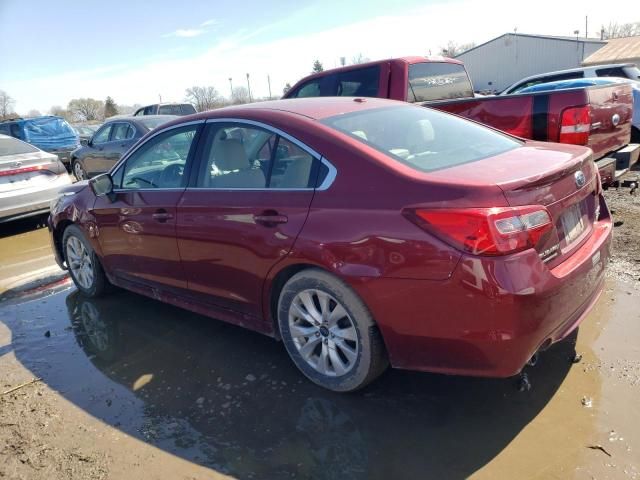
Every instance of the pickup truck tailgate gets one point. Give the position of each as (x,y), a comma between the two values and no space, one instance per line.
(611,112)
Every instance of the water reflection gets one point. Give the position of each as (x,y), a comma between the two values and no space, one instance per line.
(231,400)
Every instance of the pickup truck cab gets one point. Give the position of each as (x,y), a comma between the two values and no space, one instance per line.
(598,117)
(178,109)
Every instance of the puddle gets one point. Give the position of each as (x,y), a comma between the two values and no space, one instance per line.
(231,400)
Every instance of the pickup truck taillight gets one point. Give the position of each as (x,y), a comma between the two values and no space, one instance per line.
(486,231)
(575,126)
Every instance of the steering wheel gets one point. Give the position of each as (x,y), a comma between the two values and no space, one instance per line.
(171,176)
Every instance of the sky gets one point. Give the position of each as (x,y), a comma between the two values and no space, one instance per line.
(136,51)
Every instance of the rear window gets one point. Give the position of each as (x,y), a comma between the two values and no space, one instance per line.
(152,123)
(11,146)
(437,81)
(176,110)
(361,82)
(421,138)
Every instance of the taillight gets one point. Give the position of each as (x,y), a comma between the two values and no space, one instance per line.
(575,126)
(486,231)
(16,171)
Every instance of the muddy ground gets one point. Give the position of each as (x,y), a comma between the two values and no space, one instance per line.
(131,388)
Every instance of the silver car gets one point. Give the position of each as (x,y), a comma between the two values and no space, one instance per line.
(29,179)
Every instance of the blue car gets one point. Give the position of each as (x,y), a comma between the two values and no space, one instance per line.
(589,82)
(49,133)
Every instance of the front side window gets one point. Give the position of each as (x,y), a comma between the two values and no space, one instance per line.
(161,161)
(102,135)
(422,138)
(438,81)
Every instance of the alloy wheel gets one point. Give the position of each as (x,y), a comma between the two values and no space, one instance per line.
(79,262)
(323,332)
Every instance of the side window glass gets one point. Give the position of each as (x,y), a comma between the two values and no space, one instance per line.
(235,156)
(102,135)
(311,89)
(131,131)
(148,110)
(611,72)
(359,83)
(292,166)
(120,131)
(161,161)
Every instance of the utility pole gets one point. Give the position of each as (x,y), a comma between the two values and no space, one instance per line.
(160,97)
(269,82)
(231,87)
(586,25)
(249,88)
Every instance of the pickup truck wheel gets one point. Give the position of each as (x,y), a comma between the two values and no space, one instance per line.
(83,263)
(78,171)
(329,333)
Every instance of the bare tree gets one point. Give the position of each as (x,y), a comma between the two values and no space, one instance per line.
(6,104)
(34,113)
(616,30)
(127,109)
(453,49)
(240,95)
(358,59)
(58,111)
(86,109)
(203,98)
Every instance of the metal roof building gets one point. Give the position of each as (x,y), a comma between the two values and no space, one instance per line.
(617,50)
(498,63)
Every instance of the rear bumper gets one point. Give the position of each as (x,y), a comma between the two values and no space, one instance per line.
(30,201)
(493,314)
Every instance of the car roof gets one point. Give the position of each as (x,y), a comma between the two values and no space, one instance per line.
(139,119)
(315,108)
(571,70)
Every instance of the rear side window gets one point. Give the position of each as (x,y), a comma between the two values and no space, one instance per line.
(122,131)
(437,81)
(11,146)
(421,138)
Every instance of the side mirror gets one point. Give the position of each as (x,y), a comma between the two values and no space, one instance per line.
(102,186)
(84,142)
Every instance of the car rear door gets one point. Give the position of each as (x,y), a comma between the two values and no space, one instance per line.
(246,206)
(137,226)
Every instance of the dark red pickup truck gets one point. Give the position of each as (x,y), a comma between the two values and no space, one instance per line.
(598,117)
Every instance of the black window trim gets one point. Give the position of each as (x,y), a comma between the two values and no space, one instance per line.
(326,183)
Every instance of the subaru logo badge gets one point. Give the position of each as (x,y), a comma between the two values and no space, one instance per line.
(580,179)
(615,119)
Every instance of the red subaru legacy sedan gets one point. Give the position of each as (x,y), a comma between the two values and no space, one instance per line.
(360,232)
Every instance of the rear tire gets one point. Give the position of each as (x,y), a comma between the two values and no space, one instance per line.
(329,332)
(83,263)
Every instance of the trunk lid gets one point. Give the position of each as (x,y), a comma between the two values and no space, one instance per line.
(27,170)
(543,174)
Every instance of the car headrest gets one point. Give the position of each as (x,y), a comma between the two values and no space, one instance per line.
(229,155)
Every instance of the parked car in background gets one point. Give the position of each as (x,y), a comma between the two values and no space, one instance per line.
(85,131)
(622,70)
(586,82)
(110,141)
(443,83)
(29,179)
(178,109)
(361,233)
(49,133)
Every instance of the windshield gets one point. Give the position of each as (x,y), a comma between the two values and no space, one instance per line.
(11,146)
(424,139)
(437,81)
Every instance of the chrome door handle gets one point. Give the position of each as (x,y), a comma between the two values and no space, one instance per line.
(270,220)
(162,216)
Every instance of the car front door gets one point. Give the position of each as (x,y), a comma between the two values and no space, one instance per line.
(243,213)
(95,150)
(137,226)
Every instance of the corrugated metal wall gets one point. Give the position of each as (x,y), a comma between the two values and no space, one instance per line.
(506,59)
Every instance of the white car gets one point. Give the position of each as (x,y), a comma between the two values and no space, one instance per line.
(29,179)
(622,70)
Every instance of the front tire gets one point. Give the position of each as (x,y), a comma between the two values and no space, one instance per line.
(83,263)
(329,332)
